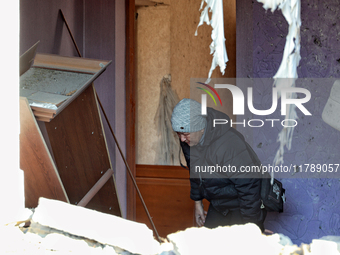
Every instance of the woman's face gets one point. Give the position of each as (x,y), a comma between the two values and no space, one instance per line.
(192,138)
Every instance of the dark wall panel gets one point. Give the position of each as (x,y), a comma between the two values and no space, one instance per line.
(312,208)
(99,41)
(41,20)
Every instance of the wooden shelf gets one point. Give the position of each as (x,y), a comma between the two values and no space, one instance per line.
(54,81)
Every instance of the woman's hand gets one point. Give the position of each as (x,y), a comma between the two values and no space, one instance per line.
(200,214)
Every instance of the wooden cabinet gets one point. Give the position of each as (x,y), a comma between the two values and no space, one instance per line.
(71,156)
(166,192)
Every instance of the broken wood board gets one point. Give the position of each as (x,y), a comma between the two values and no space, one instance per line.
(40,173)
(107,229)
(75,64)
(79,147)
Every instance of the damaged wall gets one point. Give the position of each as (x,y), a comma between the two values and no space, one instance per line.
(180,53)
(312,208)
(190,54)
(153,62)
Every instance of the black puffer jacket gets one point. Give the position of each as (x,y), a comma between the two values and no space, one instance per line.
(224,146)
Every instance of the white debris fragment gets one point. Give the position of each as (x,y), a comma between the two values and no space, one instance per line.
(323,247)
(44,105)
(287,72)
(103,228)
(217,46)
(237,239)
(18,242)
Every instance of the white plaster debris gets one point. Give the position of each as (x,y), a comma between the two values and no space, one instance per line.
(104,228)
(19,242)
(238,239)
(323,246)
(43,105)
(287,72)
(217,46)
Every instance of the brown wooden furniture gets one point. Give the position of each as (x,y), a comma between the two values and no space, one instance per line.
(41,175)
(68,159)
(166,192)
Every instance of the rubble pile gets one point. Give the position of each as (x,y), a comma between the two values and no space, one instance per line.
(56,227)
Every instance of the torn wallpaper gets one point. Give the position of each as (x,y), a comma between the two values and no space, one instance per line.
(217,46)
(287,72)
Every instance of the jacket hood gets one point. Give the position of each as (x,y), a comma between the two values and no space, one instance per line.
(212,133)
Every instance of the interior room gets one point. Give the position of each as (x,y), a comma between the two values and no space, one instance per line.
(107,144)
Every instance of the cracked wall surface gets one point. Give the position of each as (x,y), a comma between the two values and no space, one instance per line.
(313,208)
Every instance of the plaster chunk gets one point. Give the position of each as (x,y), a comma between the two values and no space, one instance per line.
(237,239)
(91,224)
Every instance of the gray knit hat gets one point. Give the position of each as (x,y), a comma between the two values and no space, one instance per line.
(186,116)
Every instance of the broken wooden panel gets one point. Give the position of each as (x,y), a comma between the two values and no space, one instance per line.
(41,176)
(79,147)
(75,64)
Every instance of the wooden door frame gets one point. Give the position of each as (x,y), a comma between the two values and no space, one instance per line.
(130,104)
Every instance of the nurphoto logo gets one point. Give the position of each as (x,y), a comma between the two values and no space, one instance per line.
(238,104)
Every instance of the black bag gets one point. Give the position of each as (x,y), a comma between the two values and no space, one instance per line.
(273,196)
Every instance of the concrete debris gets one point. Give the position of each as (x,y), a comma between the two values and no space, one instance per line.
(335,239)
(324,247)
(18,241)
(60,228)
(103,228)
(238,239)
